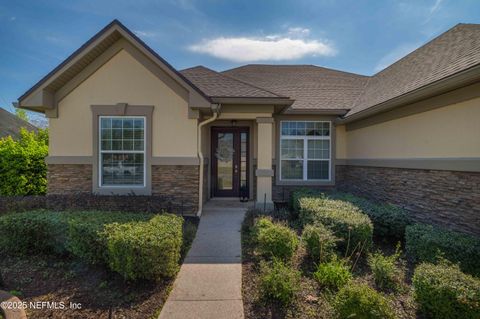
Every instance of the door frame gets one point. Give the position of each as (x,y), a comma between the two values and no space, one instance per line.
(236,178)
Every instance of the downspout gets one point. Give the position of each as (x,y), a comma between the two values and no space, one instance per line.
(216,112)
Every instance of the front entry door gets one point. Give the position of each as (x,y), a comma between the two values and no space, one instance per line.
(230,161)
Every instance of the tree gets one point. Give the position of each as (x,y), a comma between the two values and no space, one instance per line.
(21,114)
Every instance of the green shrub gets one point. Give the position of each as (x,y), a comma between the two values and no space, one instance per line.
(362,302)
(320,242)
(388,220)
(22,164)
(426,243)
(333,274)
(443,291)
(85,238)
(275,240)
(387,270)
(33,232)
(145,250)
(300,194)
(278,282)
(345,219)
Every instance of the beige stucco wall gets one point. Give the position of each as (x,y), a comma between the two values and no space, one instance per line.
(446,132)
(340,142)
(123,80)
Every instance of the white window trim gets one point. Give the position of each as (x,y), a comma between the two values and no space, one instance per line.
(305,158)
(101,152)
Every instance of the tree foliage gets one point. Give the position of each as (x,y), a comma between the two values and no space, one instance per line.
(22,163)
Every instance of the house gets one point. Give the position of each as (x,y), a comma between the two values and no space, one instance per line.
(10,124)
(124,121)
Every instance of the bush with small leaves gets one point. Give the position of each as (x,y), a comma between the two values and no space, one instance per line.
(346,220)
(427,243)
(362,302)
(389,220)
(274,239)
(388,271)
(444,292)
(333,274)
(278,282)
(145,250)
(320,242)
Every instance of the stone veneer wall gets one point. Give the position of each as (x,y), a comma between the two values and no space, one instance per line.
(284,192)
(446,198)
(174,188)
(69,178)
(177,183)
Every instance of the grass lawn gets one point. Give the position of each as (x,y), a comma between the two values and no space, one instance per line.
(313,301)
(101,293)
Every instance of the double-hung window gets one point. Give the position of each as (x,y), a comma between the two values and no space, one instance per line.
(305,150)
(122,151)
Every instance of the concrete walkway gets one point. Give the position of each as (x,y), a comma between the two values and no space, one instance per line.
(209,284)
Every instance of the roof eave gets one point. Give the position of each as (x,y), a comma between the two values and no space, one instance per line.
(41,100)
(450,83)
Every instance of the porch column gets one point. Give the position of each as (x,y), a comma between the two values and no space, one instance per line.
(264,170)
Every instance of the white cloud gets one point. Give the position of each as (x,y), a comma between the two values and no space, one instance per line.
(395,55)
(290,46)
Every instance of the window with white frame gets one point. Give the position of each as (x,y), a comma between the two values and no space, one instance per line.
(122,151)
(305,150)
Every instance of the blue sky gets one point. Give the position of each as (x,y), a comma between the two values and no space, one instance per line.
(356,36)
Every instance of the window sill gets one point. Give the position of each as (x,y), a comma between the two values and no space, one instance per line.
(125,191)
(305,183)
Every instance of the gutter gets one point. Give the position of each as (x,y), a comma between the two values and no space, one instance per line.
(216,111)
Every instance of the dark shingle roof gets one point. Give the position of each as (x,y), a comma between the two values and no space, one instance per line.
(453,51)
(11,124)
(215,84)
(314,87)
(311,87)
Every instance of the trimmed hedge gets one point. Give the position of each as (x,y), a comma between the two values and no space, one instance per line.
(85,239)
(345,219)
(426,243)
(362,302)
(443,291)
(33,232)
(145,250)
(274,239)
(134,244)
(388,220)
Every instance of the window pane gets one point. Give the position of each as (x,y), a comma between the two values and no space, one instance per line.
(122,169)
(292,169)
(317,170)
(318,149)
(127,134)
(291,149)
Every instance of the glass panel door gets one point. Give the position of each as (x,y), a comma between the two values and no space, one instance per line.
(224,155)
(230,155)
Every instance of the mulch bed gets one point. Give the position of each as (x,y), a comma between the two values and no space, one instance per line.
(312,301)
(102,294)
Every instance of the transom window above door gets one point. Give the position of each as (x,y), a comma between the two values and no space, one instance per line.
(305,150)
(122,151)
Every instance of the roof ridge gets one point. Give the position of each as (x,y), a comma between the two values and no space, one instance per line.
(295,65)
(255,86)
(424,45)
(237,80)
